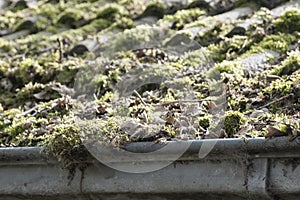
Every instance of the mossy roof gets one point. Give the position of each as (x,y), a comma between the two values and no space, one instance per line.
(147,70)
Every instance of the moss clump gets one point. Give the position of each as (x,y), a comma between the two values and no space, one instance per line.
(279,87)
(111,12)
(196,59)
(229,67)
(289,21)
(7,117)
(229,48)
(65,144)
(71,17)
(204,121)
(278,43)
(28,70)
(36,92)
(7,47)
(4,66)
(102,131)
(233,120)
(289,65)
(182,17)
(285,94)
(96,25)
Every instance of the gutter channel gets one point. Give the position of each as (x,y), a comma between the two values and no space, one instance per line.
(235,168)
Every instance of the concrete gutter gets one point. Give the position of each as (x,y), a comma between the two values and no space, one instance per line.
(235,169)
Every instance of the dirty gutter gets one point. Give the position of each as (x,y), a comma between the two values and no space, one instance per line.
(235,168)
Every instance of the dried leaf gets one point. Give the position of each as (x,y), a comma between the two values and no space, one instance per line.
(274,132)
(211,105)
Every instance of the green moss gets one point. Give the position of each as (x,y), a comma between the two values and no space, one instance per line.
(204,121)
(6,118)
(111,12)
(35,92)
(66,74)
(210,30)
(233,120)
(42,23)
(289,65)
(289,21)
(107,131)
(229,67)
(7,47)
(279,87)
(34,65)
(4,66)
(65,144)
(51,11)
(195,59)
(289,89)
(123,23)
(278,43)
(28,70)
(72,18)
(96,25)
(229,48)
(182,17)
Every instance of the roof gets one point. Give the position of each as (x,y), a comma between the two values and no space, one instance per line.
(131,70)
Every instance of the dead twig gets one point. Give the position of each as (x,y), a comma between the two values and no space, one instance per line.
(139,96)
(60,50)
(183,101)
(276,100)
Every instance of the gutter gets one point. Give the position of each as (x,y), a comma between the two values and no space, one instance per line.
(235,169)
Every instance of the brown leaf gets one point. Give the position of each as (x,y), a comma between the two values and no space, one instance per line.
(274,132)
(223,134)
(211,105)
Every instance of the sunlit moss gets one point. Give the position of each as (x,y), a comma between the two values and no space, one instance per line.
(289,21)
(196,59)
(204,122)
(229,48)
(182,17)
(7,47)
(281,87)
(278,43)
(289,65)
(111,12)
(230,67)
(4,66)
(29,70)
(72,18)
